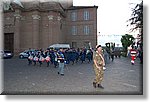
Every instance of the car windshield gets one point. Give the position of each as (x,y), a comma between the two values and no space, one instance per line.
(25,51)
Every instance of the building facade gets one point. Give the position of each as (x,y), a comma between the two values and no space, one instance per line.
(41,24)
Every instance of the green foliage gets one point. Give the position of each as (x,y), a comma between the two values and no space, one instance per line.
(137,17)
(136,20)
(126,41)
(109,46)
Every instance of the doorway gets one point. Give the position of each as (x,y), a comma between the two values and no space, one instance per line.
(9,41)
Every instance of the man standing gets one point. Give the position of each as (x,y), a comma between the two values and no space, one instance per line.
(99,63)
(61,61)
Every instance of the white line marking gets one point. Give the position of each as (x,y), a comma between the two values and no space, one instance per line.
(131,70)
(80,73)
(126,84)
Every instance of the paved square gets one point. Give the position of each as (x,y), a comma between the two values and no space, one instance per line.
(120,77)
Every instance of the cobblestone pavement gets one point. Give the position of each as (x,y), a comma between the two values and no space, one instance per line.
(120,77)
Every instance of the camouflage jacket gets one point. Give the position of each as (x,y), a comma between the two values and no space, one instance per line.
(98,59)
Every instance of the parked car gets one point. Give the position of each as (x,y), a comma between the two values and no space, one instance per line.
(1,53)
(6,54)
(25,53)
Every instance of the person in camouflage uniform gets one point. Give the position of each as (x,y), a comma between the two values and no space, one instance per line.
(99,63)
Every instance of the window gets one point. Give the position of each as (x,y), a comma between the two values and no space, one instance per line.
(86,30)
(73,16)
(74,30)
(86,15)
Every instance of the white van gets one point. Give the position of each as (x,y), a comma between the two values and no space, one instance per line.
(57,46)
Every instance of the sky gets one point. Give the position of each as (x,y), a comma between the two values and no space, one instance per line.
(112,16)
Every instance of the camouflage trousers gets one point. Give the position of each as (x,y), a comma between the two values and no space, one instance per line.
(99,75)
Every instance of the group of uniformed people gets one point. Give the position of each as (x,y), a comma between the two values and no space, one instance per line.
(61,57)
(51,56)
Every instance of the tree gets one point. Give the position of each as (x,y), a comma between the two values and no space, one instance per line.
(126,41)
(136,20)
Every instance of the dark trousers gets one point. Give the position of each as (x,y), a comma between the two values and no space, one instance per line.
(40,63)
(29,62)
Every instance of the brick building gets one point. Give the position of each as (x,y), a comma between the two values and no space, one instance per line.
(41,24)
